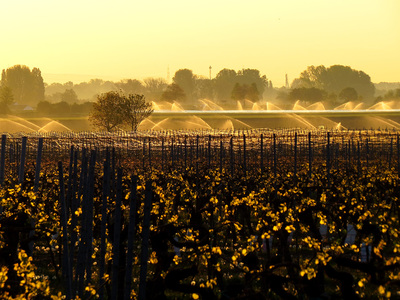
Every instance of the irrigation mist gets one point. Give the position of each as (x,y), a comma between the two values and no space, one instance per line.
(248,115)
(243,115)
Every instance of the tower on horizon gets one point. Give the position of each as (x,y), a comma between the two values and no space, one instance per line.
(210,71)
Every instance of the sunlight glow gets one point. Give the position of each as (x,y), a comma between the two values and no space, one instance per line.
(80,40)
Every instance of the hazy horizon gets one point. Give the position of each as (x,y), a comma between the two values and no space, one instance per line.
(123,39)
(79,78)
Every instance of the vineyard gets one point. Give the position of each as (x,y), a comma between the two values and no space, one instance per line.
(263,214)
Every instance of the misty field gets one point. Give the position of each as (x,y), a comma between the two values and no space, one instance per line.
(269,214)
(227,120)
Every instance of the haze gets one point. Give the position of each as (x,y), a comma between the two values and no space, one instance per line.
(79,40)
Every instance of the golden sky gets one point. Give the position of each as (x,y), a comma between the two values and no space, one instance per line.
(82,39)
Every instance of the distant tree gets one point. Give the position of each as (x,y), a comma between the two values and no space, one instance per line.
(82,108)
(187,81)
(69,96)
(348,94)
(270,92)
(392,95)
(310,95)
(57,92)
(242,92)
(27,86)
(154,87)
(54,91)
(173,92)
(301,83)
(6,99)
(37,85)
(250,80)
(135,109)
(68,85)
(225,81)
(53,98)
(60,109)
(204,88)
(314,77)
(44,108)
(252,93)
(337,77)
(282,94)
(131,86)
(253,76)
(332,100)
(90,90)
(107,112)
(238,92)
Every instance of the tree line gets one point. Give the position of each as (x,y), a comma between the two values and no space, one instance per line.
(186,87)
(331,85)
(63,109)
